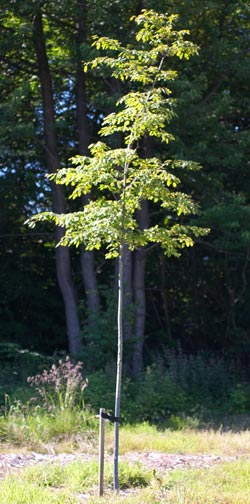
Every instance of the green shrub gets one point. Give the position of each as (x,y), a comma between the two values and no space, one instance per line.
(239,401)
(156,396)
(178,387)
(153,396)
(206,379)
(16,364)
(20,360)
(178,390)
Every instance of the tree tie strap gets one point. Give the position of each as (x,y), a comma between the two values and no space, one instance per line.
(111,418)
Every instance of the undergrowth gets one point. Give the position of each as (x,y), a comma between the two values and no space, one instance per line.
(176,392)
(55,411)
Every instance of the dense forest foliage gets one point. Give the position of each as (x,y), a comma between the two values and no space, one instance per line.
(50,111)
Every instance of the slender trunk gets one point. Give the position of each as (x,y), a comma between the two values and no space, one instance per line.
(120,326)
(63,265)
(119,366)
(87,257)
(139,293)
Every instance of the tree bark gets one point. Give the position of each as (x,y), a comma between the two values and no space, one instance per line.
(128,306)
(127,294)
(139,293)
(164,297)
(87,257)
(63,263)
(81,109)
(119,365)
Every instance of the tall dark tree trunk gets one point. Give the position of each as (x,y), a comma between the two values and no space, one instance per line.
(127,294)
(128,305)
(81,108)
(139,279)
(164,299)
(139,293)
(63,263)
(87,257)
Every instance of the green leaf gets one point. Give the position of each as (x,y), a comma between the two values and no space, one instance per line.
(119,178)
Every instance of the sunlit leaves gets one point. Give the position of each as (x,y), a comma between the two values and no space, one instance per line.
(139,65)
(143,113)
(119,178)
(106,43)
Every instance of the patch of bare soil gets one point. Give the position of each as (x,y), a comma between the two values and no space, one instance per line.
(162,462)
(12,461)
(158,461)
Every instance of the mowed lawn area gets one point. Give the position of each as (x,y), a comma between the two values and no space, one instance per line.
(225,482)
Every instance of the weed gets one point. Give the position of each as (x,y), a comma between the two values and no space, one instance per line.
(61,387)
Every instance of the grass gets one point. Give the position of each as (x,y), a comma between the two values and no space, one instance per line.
(227,483)
(77,430)
(55,427)
(35,428)
(65,484)
(144,437)
(75,483)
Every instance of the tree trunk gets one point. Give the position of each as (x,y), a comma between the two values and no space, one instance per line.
(127,294)
(139,293)
(87,257)
(128,306)
(63,264)
(164,297)
(119,366)
(90,285)
(81,108)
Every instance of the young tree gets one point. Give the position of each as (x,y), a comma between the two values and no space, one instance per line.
(121,178)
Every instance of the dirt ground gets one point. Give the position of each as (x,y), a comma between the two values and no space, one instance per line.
(158,461)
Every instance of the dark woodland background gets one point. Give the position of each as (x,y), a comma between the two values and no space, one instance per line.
(197,304)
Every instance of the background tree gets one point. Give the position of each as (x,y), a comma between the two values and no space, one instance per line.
(28,26)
